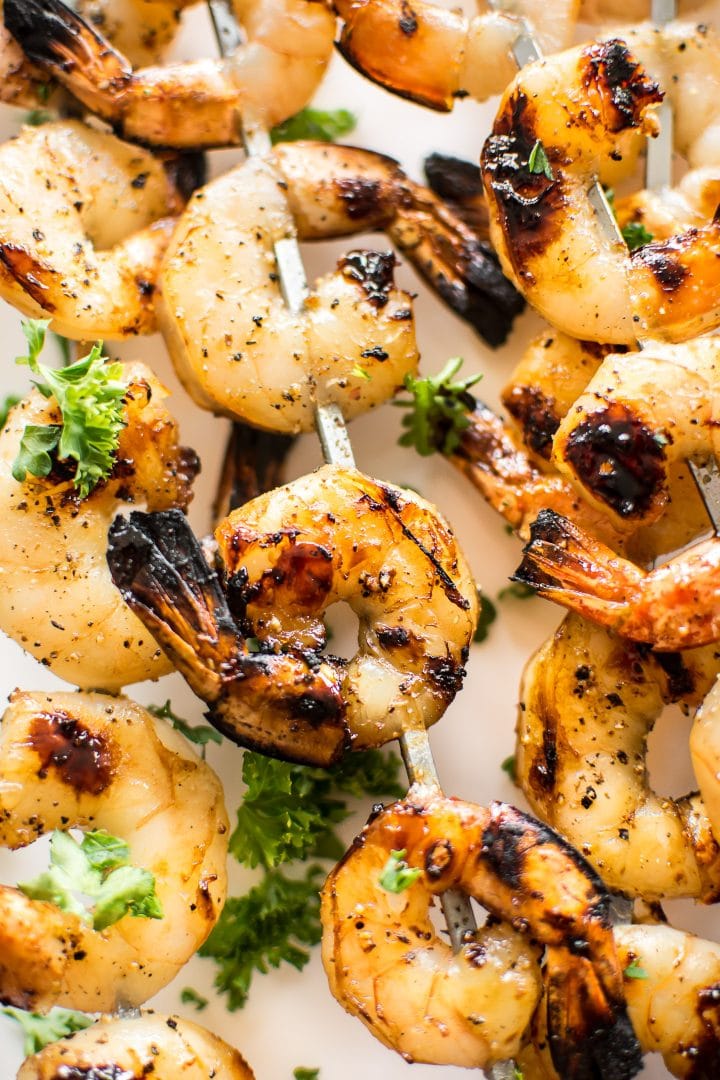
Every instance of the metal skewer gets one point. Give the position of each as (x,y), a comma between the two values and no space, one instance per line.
(337,450)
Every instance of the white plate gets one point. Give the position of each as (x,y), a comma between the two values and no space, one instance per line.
(291,1019)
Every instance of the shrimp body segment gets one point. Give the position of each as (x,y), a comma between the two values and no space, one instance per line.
(79,761)
(588,702)
(550,242)
(198,104)
(386,964)
(674,606)
(165,1047)
(239,350)
(56,596)
(705,753)
(286,556)
(84,222)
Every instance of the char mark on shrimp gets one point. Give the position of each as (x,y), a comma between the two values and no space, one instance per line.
(32,275)
(82,759)
(374,270)
(619,458)
(664,260)
(53,35)
(621,81)
(536,413)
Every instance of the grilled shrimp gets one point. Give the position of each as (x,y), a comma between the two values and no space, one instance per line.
(198,104)
(286,556)
(675,606)
(165,1047)
(705,753)
(549,239)
(672,987)
(640,413)
(85,760)
(237,347)
(387,965)
(56,596)
(84,222)
(588,703)
(140,29)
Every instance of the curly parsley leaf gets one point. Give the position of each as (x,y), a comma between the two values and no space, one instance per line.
(636,235)
(517,590)
(321,125)
(509,766)
(634,971)
(396,876)
(200,734)
(486,617)
(41,1030)
(538,161)
(276,922)
(8,403)
(289,811)
(36,445)
(438,410)
(188,996)
(90,397)
(301,1073)
(97,868)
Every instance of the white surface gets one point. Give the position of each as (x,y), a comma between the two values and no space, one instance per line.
(291,1018)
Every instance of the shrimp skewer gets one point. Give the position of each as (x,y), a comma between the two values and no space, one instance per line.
(73,761)
(198,104)
(375,942)
(164,1046)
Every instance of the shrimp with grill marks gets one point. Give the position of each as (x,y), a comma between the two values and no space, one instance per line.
(286,556)
(674,606)
(88,761)
(84,222)
(640,413)
(132,1048)
(584,106)
(56,596)
(237,347)
(705,753)
(387,965)
(674,1003)
(589,700)
(198,104)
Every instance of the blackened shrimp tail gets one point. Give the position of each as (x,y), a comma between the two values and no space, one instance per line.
(254,463)
(562,558)
(52,35)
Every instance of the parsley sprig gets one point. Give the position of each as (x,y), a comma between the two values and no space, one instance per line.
(634,233)
(90,397)
(97,868)
(200,734)
(396,876)
(40,1030)
(438,407)
(321,125)
(289,813)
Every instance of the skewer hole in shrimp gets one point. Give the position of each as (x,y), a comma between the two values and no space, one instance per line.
(240,351)
(84,221)
(86,760)
(165,1047)
(550,242)
(202,103)
(588,703)
(56,596)
(286,557)
(387,965)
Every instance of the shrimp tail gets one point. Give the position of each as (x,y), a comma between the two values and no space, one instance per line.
(570,567)
(459,184)
(52,35)
(289,706)
(590,1035)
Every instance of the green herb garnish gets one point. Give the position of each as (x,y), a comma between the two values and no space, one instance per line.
(360,373)
(37,117)
(41,1030)
(517,590)
(200,734)
(634,971)
(396,876)
(305,1074)
(486,617)
(636,235)
(90,397)
(188,996)
(538,161)
(321,125)
(98,868)
(438,410)
(509,766)
(5,406)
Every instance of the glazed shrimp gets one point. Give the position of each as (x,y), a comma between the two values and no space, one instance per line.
(639,414)
(675,606)
(165,1046)
(198,104)
(56,596)
(387,965)
(434,55)
(588,703)
(550,242)
(85,760)
(705,753)
(674,1006)
(84,222)
(286,556)
(141,29)
(237,347)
